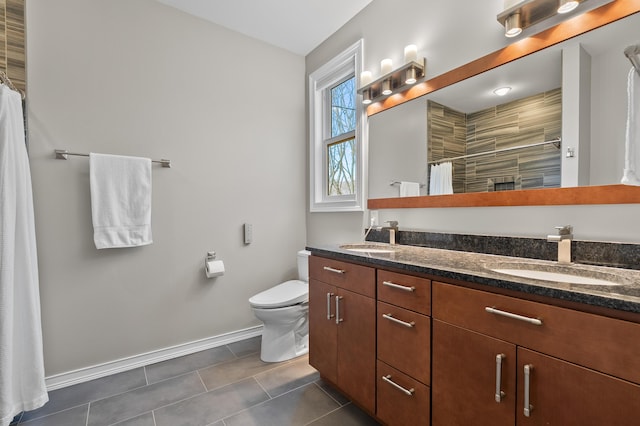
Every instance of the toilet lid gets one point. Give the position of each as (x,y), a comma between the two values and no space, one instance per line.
(286,294)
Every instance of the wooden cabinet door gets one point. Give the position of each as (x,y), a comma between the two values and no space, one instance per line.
(356,347)
(402,400)
(565,394)
(463,375)
(323,333)
(404,341)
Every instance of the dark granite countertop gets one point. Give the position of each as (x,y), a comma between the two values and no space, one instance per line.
(476,268)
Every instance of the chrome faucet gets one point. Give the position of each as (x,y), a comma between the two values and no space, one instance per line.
(393,229)
(563,238)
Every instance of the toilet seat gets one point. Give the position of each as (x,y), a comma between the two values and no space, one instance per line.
(286,294)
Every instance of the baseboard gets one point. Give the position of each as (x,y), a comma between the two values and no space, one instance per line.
(112,367)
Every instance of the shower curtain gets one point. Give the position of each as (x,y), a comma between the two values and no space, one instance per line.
(22,386)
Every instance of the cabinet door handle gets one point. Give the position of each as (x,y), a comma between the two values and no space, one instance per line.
(398,286)
(338,319)
(396,320)
(499,393)
(408,392)
(527,385)
(534,321)
(329,315)
(334,270)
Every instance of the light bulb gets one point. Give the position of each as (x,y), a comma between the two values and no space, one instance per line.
(566,6)
(501,91)
(513,26)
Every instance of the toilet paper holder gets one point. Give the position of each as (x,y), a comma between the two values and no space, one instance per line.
(213,268)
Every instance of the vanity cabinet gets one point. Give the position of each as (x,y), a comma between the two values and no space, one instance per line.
(502,361)
(342,318)
(404,349)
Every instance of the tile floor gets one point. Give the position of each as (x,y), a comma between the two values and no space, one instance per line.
(224,386)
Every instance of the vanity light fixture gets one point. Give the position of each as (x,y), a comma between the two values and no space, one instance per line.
(392,80)
(566,6)
(523,14)
(501,91)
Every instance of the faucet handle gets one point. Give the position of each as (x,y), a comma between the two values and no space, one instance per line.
(564,230)
(392,223)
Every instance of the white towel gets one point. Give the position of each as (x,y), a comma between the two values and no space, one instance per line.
(22,385)
(441,179)
(409,189)
(447,178)
(120,200)
(631,173)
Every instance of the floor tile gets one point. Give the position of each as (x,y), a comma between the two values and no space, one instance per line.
(212,406)
(348,415)
(83,393)
(297,407)
(333,393)
(185,364)
(233,371)
(138,401)
(72,417)
(288,377)
(145,419)
(246,347)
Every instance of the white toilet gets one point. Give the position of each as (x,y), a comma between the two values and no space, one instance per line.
(284,310)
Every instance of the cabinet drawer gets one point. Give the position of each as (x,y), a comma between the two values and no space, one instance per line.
(397,407)
(404,340)
(604,344)
(405,290)
(356,278)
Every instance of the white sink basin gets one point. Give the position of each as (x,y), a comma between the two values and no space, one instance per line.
(556,273)
(367,249)
(370,250)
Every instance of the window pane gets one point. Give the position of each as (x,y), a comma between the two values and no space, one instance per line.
(343,107)
(341,168)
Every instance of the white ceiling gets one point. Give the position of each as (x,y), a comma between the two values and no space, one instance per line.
(295,25)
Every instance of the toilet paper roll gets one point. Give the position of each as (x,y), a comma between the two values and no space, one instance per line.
(214,268)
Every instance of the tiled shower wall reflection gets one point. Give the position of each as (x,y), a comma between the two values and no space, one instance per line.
(529,120)
(12,50)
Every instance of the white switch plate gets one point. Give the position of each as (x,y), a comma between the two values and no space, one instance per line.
(248,233)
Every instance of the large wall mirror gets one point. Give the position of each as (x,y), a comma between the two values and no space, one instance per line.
(574,90)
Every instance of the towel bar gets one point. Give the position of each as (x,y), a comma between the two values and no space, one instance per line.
(62,154)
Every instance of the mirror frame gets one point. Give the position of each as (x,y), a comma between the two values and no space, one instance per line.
(604,194)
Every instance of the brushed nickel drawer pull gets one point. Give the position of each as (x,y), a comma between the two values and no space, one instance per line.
(329,314)
(396,320)
(408,392)
(398,286)
(534,321)
(334,270)
(527,384)
(499,393)
(338,319)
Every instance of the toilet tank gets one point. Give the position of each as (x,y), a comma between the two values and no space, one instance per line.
(303,265)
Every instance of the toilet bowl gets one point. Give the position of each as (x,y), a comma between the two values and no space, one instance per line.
(284,310)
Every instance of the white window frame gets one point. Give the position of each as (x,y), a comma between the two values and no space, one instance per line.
(333,72)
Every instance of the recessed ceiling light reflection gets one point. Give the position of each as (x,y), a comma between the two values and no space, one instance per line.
(501,91)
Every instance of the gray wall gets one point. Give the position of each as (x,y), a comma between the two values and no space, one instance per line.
(451,36)
(399,136)
(140,78)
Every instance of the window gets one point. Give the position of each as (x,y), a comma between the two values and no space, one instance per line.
(337,135)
